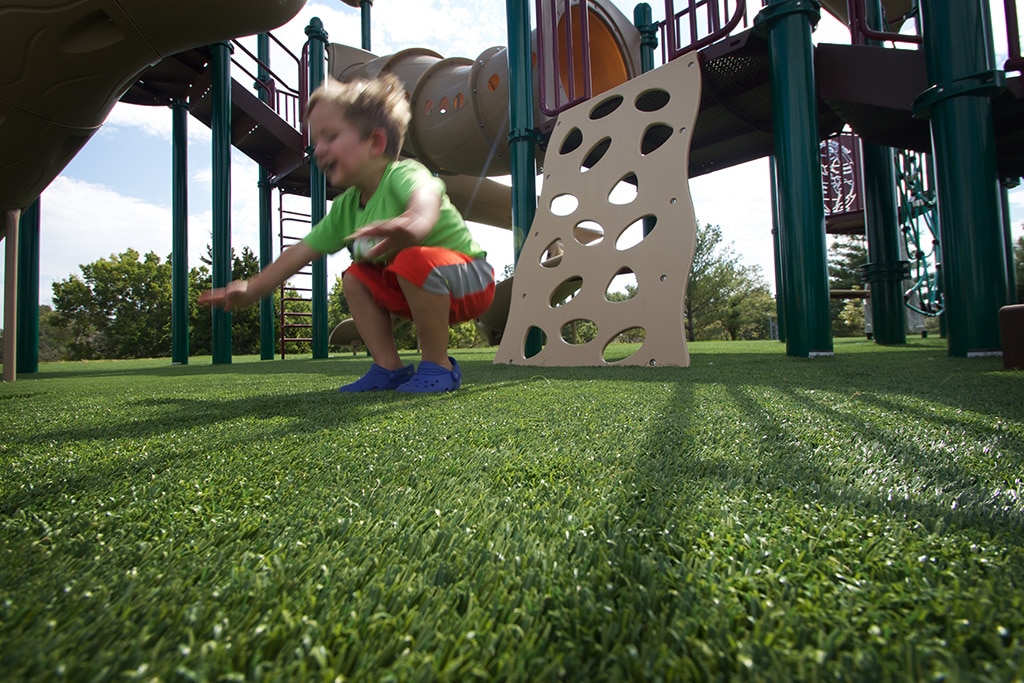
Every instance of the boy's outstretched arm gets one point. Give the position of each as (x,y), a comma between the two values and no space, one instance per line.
(409,228)
(241,293)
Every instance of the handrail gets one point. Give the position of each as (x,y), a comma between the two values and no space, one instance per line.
(715,30)
(282,98)
(547,48)
(860,32)
(1014,61)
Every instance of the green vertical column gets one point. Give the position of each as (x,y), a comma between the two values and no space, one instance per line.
(522,138)
(780,279)
(364,12)
(318,194)
(27,354)
(179,233)
(804,257)
(266,219)
(885,270)
(1011,271)
(220,127)
(958,54)
(643,19)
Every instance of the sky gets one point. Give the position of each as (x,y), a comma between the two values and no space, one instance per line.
(116,193)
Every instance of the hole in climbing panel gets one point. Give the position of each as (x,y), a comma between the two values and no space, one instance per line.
(458,101)
(566,291)
(595,154)
(623,286)
(564,204)
(621,346)
(534,333)
(428,107)
(442,106)
(652,100)
(635,232)
(552,255)
(572,141)
(588,233)
(578,332)
(654,137)
(624,191)
(493,82)
(605,107)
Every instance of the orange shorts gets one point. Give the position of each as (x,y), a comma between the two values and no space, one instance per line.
(468,281)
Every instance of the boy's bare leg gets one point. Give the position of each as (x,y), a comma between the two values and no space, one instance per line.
(430,315)
(373,323)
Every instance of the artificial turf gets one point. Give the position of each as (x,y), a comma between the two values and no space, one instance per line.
(750,517)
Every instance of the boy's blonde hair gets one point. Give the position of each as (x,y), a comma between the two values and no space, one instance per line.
(368,105)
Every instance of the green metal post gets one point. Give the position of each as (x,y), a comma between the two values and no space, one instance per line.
(318,194)
(266,218)
(522,136)
(780,279)
(801,204)
(958,54)
(643,19)
(1011,271)
(27,355)
(884,271)
(221,132)
(179,233)
(364,7)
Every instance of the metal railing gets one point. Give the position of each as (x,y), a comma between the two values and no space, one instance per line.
(285,100)
(1014,61)
(700,23)
(550,55)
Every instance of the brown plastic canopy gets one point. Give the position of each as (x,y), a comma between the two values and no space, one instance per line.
(65,64)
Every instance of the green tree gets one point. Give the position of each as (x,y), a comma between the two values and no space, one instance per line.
(120,308)
(724,298)
(847,254)
(245,322)
(54,340)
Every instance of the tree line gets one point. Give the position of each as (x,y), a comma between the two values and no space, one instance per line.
(120,307)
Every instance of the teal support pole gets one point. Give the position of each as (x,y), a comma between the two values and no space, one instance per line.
(780,279)
(885,270)
(958,55)
(1011,271)
(179,233)
(788,24)
(643,19)
(27,355)
(318,194)
(266,218)
(522,136)
(364,9)
(221,247)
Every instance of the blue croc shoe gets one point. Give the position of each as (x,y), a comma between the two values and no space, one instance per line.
(432,378)
(380,379)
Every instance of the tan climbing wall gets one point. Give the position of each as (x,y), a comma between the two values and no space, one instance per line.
(612,162)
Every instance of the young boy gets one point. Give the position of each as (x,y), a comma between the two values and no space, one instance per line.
(424,266)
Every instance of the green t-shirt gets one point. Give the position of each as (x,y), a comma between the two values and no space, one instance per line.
(400,179)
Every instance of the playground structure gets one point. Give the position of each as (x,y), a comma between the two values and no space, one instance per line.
(765,91)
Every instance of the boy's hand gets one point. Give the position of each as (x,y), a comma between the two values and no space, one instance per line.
(404,230)
(232,297)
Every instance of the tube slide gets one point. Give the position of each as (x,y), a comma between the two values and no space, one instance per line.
(66,63)
(460,106)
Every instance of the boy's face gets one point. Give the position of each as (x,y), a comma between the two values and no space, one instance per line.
(341,152)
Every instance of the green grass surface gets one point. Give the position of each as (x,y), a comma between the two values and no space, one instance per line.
(751,517)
